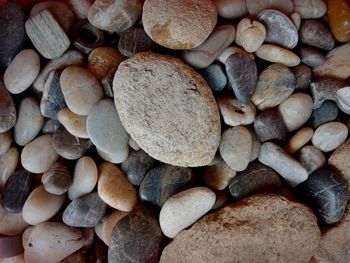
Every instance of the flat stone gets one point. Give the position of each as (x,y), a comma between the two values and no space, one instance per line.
(5,142)
(11,224)
(250,34)
(107,83)
(108,223)
(276,54)
(215,76)
(327,194)
(8,164)
(299,139)
(80,7)
(339,19)
(311,56)
(10,246)
(137,165)
(231,9)
(183,209)
(340,161)
(7,110)
(269,125)
(218,175)
(246,231)
(75,124)
(163,181)
(330,136)
(314,33)
(303,76)
(311,158)
(310,8)
(85,211)
(275,84)
(188,136)
(57,179)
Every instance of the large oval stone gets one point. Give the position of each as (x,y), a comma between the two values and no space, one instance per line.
(7,110)
(168,109)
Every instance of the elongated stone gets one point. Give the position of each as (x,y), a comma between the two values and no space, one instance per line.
(57,179)
(7,110)
(330,136)
(299,139)
(215,77)
(218,175)
(339,19)
(276,54)
(311,158)
(8,164)
(269,125)
(5,142)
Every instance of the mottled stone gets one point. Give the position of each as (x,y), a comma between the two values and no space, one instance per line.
(330,136)
(310,8)
(108,223)
(327,194)
(299,139)
(269,125)
(250,34)
(339,19)
(8,164)
(327,112)
(5,142)
(10,246)
(7,110)
(314,33)
(215,76)
(311,158)
(57,179)
(231,9)
(303,76)
(86,37)
(276,54)
(11,224)
(75,124)
(218,175)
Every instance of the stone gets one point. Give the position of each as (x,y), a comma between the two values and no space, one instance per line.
(206,53)
(224,55)
(57,179)
(256,145)
(242,74)
(256,6)
(231,9)
(133,144)
(163,181)
(188,136)
(80,7)
(5,142)
(275,84)
(29,121)
(276,54)
(246,231)
(137,165)
(276,158)
(299,139)
(16,191)
(38,155)
(296,19)
(183,209)
(235,113)
(218,175)
(166,22)
(80,256)
(269,125)
(112,158)
(311,56)
(296,110)
(143,230)
(343,99)
(10,246)
(81,89)
(311,158)
(52,100)
(12,33)
(114,189)
(46,34)
(22,71)
(84,179)
(107,83)
(314,33)
(50,126)
(339,19)
(330,136)
(339,161)
(215,76)
(257,178)
(250,34)
(327,112)
(327,194)
(7,110)
(108,223)
(85,211)
(310,8)
(280,30)
(40,206)
(8,164)
(106,131)
(236,147)
(11,224)
(303,76)
(75,124)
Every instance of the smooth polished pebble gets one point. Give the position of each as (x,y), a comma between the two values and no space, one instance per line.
(343,99)
(8,114)
(310,8)
(57,179)
(327,112)
(8,164)
(296,19)
(276,54)
(311,158)
(250,34)
(10,246)
(299,139)
(218,175)
(5,142)
(108,223)
(314,33)
(75,124)
(231,9)
(311,56)
(215,76)
(11,224)
(303,76)
(80,7)
(330,136)
(224,55)
(339,19)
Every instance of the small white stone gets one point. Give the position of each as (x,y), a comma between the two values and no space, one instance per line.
(330,136)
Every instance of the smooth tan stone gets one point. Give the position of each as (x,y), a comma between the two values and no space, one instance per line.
(11,224)
(108,224)
(183,209)
(310,8)
(8,164)
(276,54)
(38,155)
(81,89)
(296,19)
(115,189)
(224,55)
(311,158)
(84,178)
(330,136)
(218,175)
(75,124)
(231,9)
(22,71)
(250,34)
(5,142)
(299,139)
(256,6)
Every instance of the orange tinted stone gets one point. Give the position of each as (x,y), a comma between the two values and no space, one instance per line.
(339,19)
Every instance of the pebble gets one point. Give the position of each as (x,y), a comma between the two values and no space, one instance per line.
(231,9)
(205,54)
(114,15)
(275,84)
(16,191)
(40,206)
(5,142)
(235,113)
(296,19)
(22,71)
(311,158)
(196,137)
(246,231)
(242,74)
(296,110)
(329,136)
(215,76)
(57,179)
(256,145)
(12,33)
(10,246)
(112,158)
(311,56)
(80,7)
(7,110)
(218,175)
(163,181)
(8,164)
(85,211)
(185,208)
(256,6)
(224,55)
(38,155)
(133,144)
(46,34)
(256,178)
(50,126)
(324,89)
(106,131)
(11,224)
(108,223)
(327,112)
(310,8)
(75,124)
(107,83)
(269,125)
(327,195)
(339,161)
(29,121)
(299,139)
(84,179)
(339,19)
(280,30)
(276,54)
(314,33)
(343,99)
(236,147)
(81,89)
(166,22)
(250,34)
(143,230)
(276,158)
(303,75)
(114,188)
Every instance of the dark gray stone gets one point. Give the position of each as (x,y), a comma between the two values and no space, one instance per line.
(8,114)
(327,112)
(303,75)
(215,77)
(57,179)
(86,37)
(269,125)
(314,33)
(311,56)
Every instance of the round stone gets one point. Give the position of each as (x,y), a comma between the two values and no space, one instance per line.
(166,22)
(57,179)
(311,56)
(250,34)
(7,110)
(256,6)
(329,136)
(231,9)
(218,175)
(327,112)
(314,33)
(276,54)
(75,124)
(8,164)
(310,8)
(5,142)
(299,139)
(174,119)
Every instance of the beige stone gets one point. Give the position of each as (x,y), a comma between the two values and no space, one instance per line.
(8,164)
(75,124)
(299,139)
(250,34)
(276,54)
(340,160)
(218,175)
(330,136)
(256,6)
(5,142)
(224,55)
(296,19)
(231,9)
(108,224)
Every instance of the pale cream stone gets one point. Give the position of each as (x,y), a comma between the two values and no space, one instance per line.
(330,136)
(276,54)
(8,164)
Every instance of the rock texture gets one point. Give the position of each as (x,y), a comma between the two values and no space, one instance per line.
(7,110)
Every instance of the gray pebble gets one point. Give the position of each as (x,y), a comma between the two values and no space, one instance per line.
(215,77)
(7,110)
(311,158)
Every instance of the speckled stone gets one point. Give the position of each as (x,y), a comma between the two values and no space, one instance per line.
(57,179)
(330,136)
(218,175)
(8,164)
(269,125)
(5,142)
(311,158)
(215,76)
(311,56)
(327,112)
(303,76)
(314,33)
(7,110)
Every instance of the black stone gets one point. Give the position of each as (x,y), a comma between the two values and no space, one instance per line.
(327,112)
(269,125)
(303,75)
(86,37)
(325,89)
(215,77)
(327,194)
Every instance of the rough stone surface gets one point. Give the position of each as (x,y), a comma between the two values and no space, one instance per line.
(7,110)
(218,175)
(330,136)
(311,158)
(276,54)
(269,125)
(314,33)
(57,179)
